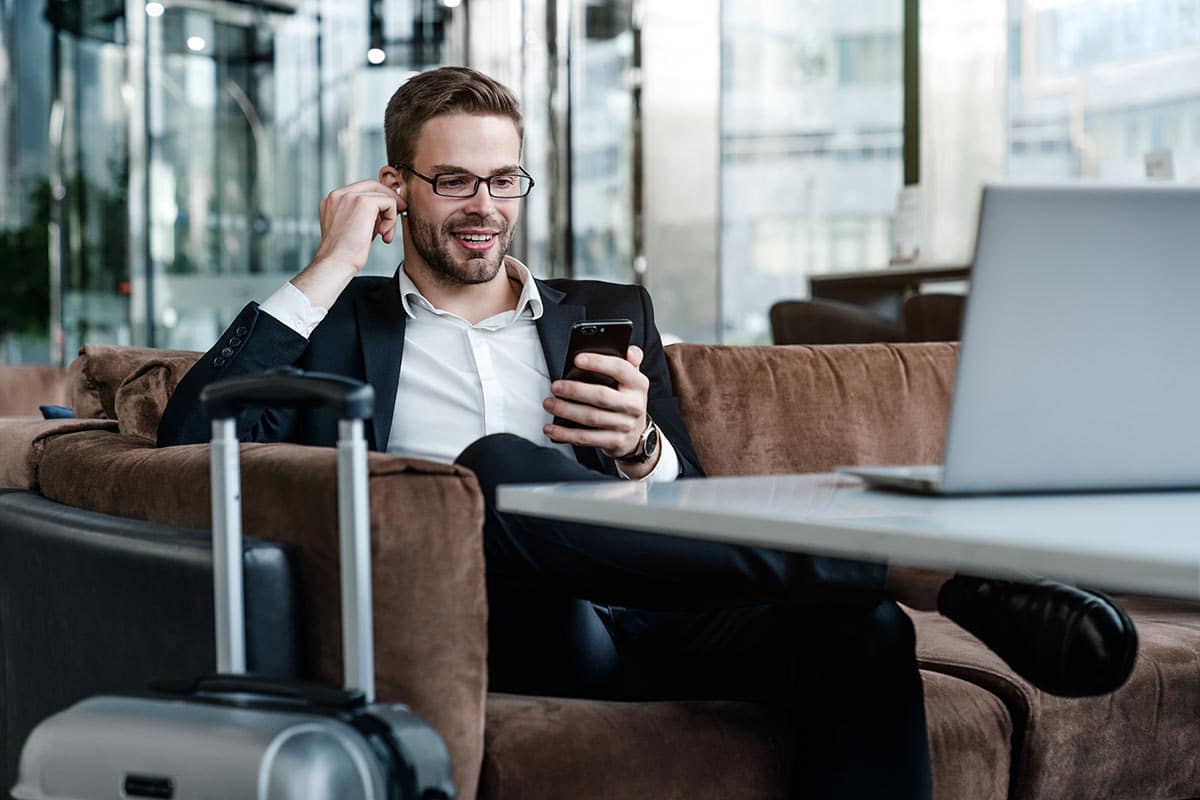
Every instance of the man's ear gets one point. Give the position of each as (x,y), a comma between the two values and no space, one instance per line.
(393,179)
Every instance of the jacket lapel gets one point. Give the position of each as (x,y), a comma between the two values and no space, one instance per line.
(381,319)
(554,329)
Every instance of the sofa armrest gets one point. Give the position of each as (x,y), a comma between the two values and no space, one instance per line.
(93,604)
(23,441)
(426,546)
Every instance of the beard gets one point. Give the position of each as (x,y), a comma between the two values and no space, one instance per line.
(437,247)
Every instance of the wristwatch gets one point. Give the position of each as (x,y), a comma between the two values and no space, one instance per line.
(646,447)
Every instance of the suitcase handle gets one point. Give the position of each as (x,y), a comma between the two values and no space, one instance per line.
(351,402)
(310,694)
(289,387)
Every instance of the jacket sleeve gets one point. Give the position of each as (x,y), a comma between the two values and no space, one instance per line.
(663,406)
(253,343)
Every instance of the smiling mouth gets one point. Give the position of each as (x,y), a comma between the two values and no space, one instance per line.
(476,242)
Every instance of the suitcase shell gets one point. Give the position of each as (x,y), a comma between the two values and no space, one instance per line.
(115,748)
(233,736)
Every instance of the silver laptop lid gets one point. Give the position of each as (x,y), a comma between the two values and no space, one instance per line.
(1080,360)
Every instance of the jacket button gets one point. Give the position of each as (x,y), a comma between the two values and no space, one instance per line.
(218,362)
(242,330)
(235,342)
(227,352)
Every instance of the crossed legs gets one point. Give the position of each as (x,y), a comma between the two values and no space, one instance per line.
(593,611)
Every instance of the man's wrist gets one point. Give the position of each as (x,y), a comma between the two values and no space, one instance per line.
(636,472)
(323,280)
(645,449)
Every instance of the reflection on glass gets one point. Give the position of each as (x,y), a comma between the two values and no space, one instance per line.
(252,113)
(811,148)
(93,169)
(1096,87)
(602,143)
(234,167)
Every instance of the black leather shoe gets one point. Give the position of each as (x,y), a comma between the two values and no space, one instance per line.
(1064,640)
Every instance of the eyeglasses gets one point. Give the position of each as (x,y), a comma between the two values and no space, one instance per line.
(506,186)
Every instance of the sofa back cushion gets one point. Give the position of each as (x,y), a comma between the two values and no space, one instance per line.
(142,396)
(795,409)
(127,384)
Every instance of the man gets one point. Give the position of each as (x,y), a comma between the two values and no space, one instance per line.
(465,350)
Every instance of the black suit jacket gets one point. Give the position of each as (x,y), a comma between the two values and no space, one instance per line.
(362,337)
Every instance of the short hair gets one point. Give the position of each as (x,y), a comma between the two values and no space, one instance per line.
(445,90)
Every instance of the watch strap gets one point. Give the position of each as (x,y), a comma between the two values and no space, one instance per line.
(641,453)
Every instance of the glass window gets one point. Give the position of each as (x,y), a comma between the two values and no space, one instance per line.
(811,148)
(1095,87)
(602,142)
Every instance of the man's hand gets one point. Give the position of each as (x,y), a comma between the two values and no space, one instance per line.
(613,418)
(351,218)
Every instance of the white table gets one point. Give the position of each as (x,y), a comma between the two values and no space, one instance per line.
(1147,542)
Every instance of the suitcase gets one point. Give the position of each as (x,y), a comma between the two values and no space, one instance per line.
(231,736)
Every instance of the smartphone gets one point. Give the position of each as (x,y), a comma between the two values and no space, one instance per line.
(609,337)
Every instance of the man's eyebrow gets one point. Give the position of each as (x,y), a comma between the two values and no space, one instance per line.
(456,169)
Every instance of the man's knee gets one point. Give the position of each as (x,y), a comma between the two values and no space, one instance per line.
(484,452)
(507,458)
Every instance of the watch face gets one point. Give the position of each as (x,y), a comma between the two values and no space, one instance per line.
(651,442)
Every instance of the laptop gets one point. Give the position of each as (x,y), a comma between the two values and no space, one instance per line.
(1079,367)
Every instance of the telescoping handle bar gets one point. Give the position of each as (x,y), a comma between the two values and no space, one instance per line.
(351,402)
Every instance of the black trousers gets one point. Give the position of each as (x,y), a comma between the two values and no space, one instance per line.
(592,611)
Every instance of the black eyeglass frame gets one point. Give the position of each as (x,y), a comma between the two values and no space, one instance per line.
(478,180)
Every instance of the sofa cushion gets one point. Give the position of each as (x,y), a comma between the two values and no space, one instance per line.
(795,409)
(100,369)
(1129,745)
(143,394)
(582,749)
(24,388)
(429,605)
(23,442)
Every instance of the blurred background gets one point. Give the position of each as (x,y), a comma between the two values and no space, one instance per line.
(162,162)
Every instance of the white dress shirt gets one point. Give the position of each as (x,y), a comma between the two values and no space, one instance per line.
(458,381)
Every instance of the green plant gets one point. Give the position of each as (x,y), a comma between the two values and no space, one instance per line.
(25,270)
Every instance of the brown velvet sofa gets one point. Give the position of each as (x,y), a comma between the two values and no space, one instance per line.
(750,410)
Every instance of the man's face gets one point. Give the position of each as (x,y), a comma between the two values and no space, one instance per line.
(463,240)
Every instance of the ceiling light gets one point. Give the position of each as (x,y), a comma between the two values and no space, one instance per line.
(451,3)
(376,56)
(154,9)
(196,43)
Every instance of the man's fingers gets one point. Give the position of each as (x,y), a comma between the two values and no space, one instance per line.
(634,356)
(583,437)
(590,415)
(625,373)
(593,394)
(386,224)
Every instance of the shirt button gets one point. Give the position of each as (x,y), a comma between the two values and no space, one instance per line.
(242,330)
(218,362)
(235,342)
(227,352)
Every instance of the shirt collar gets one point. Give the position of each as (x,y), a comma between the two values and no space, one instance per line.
(530,298)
